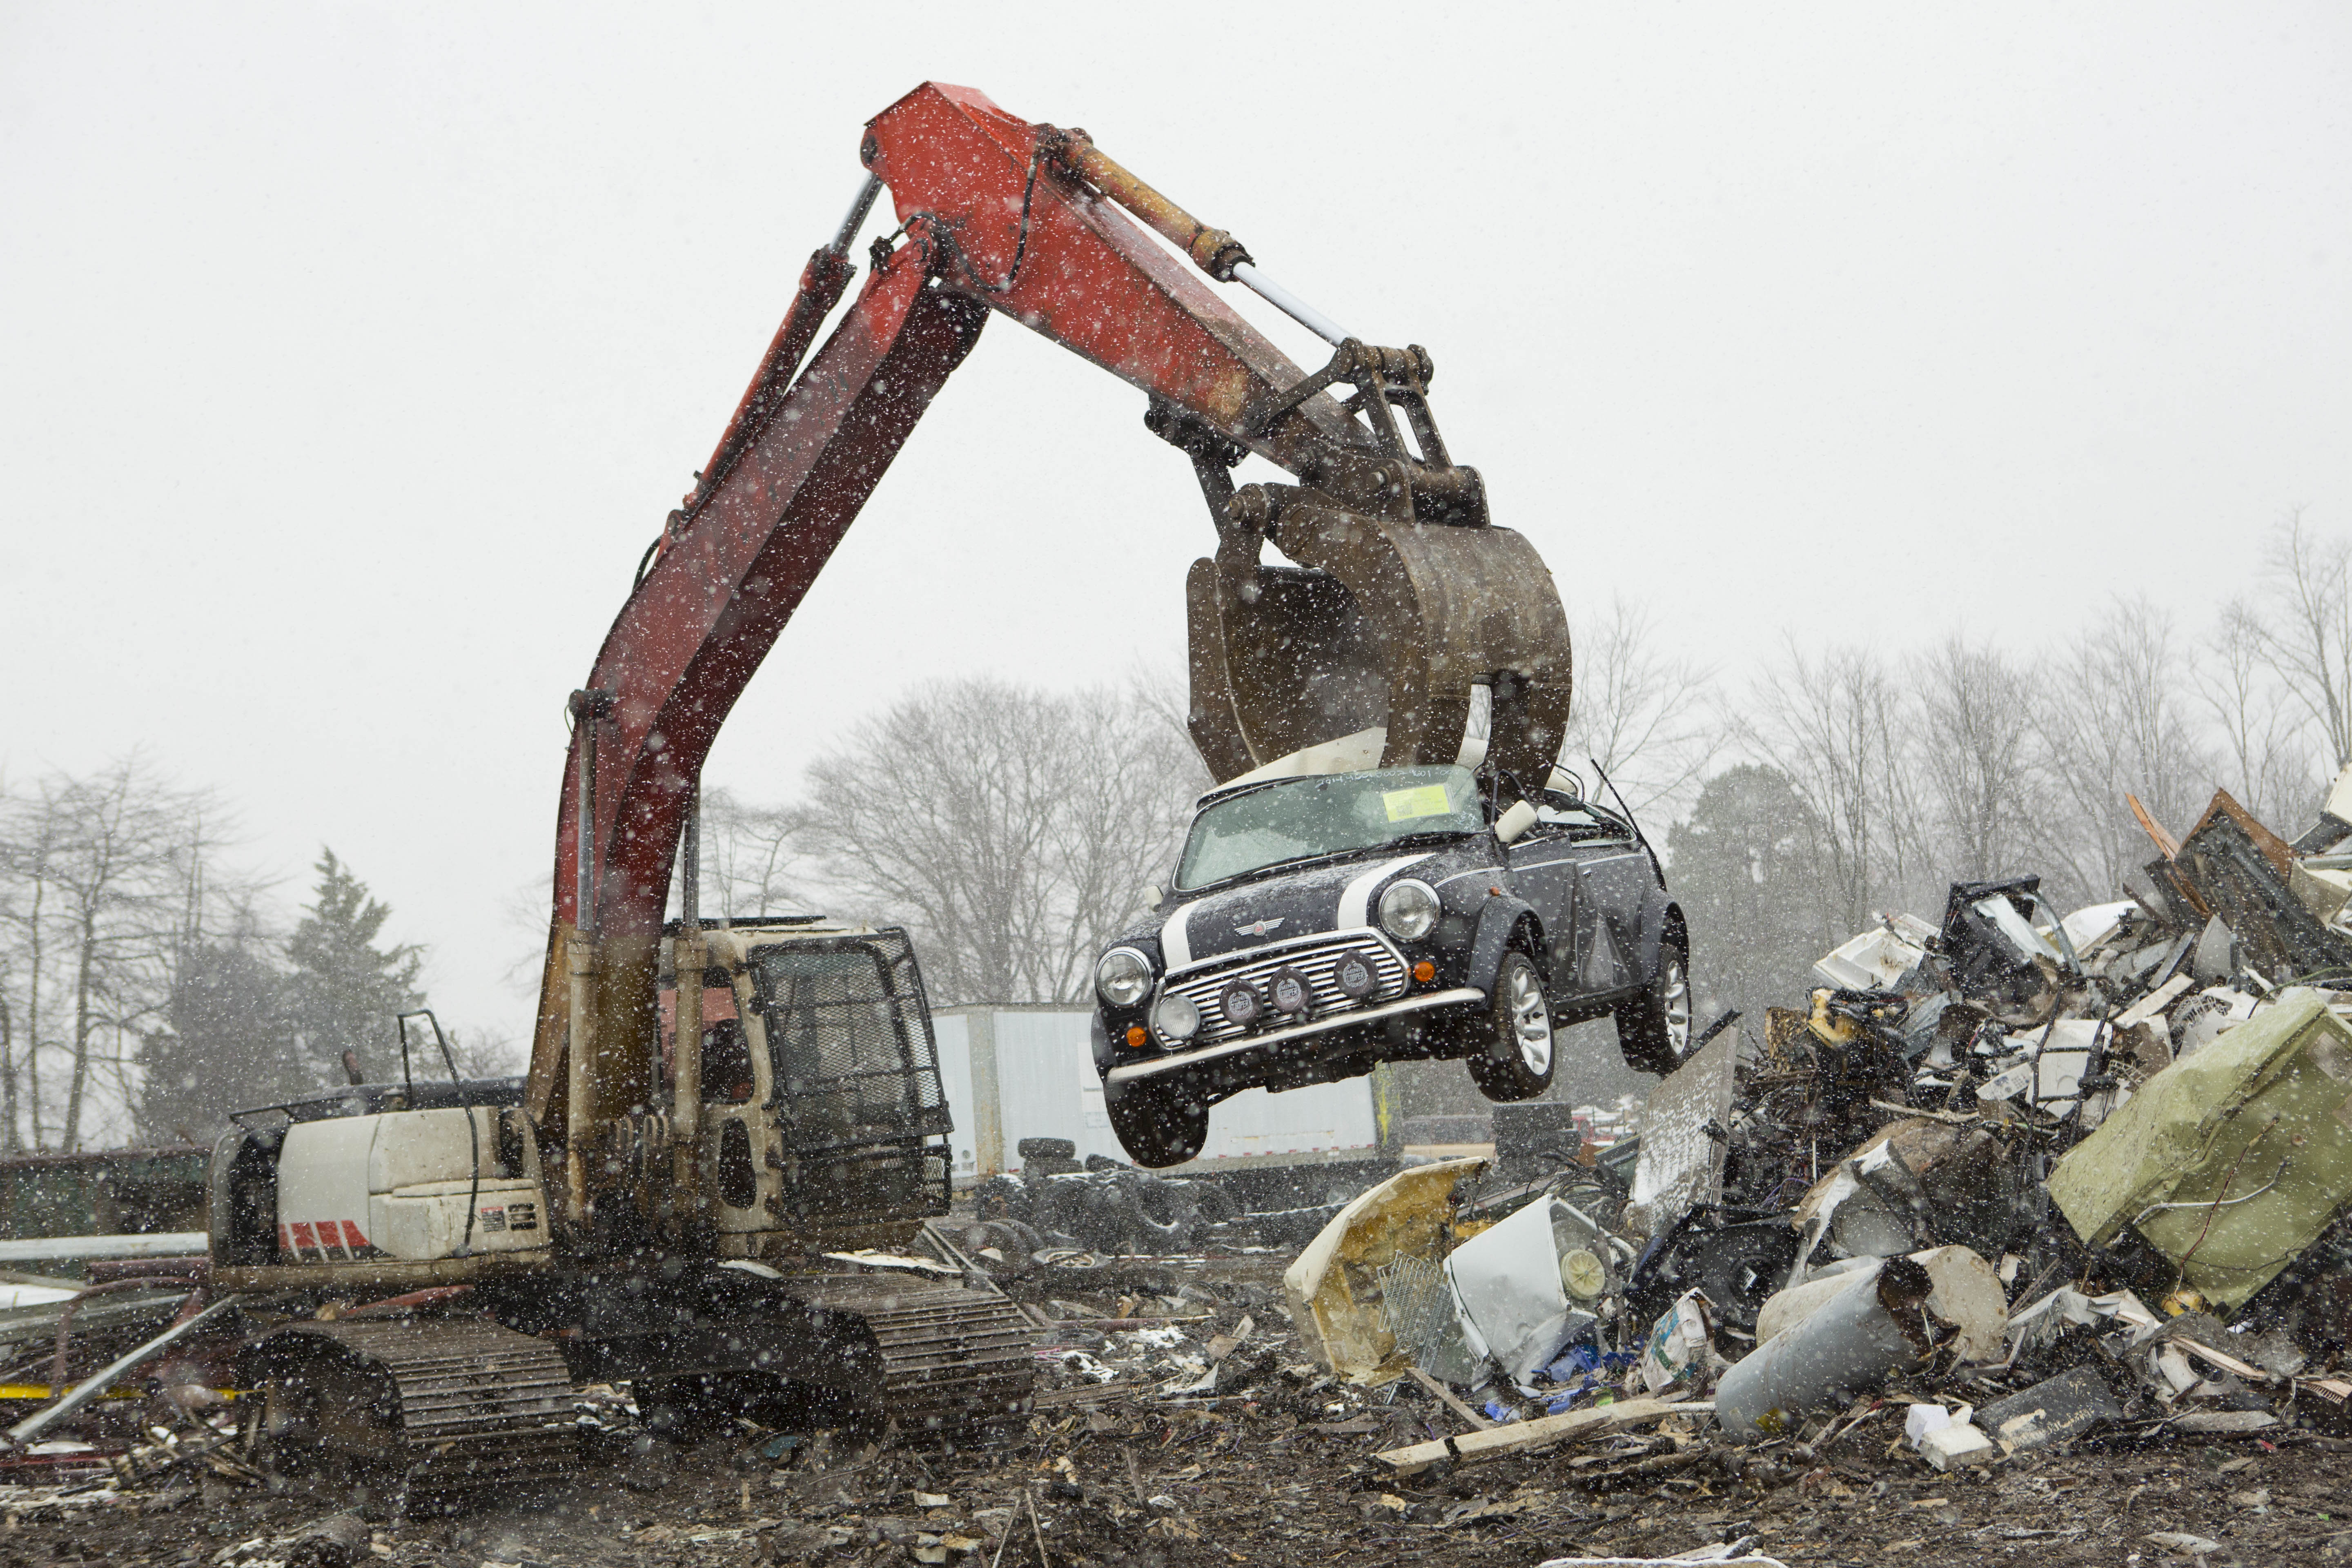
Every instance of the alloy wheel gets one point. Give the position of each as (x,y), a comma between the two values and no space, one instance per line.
(1675,1004)
(1531,1020)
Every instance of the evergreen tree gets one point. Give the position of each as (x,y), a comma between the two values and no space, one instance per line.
(228,1046)
(1746,869)
(344,990)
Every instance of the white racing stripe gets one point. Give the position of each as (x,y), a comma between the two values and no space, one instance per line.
(1356,898)
(1175,941)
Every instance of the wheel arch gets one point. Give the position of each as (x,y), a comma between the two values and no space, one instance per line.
(1669,927)
(1499,924)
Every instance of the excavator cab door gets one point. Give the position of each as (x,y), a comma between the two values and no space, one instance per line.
(852,1120)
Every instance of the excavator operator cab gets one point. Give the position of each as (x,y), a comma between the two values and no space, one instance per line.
(822,1108)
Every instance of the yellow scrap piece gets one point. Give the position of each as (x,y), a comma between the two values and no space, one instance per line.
(1836,1031)
(1333,1289)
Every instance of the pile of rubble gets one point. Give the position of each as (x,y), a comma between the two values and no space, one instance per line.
(2007,1180)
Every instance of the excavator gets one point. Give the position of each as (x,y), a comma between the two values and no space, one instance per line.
(731,1132)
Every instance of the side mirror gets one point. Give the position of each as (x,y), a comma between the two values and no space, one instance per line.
(1151,897)
(1515,822)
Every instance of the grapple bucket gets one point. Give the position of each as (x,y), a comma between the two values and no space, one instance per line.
(1383,623)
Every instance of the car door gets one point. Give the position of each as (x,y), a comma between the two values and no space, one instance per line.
(1543,870)
(1612,871)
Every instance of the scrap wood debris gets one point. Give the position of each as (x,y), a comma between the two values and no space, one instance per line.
(1285,1468)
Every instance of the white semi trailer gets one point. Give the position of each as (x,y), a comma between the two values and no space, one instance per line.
(1016,1072)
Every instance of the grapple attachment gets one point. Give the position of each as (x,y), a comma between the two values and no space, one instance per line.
(1404,598)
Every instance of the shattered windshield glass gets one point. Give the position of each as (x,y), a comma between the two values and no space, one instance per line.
(1299,820)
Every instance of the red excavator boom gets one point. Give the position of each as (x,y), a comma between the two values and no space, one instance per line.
(1403,597)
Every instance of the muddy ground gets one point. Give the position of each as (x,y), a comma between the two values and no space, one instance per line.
(1278,1471)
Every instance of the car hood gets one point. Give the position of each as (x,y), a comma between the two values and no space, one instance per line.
(1329,897)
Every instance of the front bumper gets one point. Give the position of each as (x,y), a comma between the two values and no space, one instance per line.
(1130,1072)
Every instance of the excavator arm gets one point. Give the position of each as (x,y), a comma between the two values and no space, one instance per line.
(1402,599)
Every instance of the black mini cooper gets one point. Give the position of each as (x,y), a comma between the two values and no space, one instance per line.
(1318,925)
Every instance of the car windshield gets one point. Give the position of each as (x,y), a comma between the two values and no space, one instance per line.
(1299,820)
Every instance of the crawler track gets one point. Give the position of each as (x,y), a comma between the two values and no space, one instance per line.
(434,1406)
(953,1360)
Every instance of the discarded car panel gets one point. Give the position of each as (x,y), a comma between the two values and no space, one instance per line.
(2233,1160)
(1682,1134)
(1332,1290)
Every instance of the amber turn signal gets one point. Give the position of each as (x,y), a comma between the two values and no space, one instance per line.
(1135,1034)
(1424,972)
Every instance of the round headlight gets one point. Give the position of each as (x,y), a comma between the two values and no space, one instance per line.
(1408,910)
(1123,977)
(1240,1004)
(1354,977)
(1289,992)
(1176,1017)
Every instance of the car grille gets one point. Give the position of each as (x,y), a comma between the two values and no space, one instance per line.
(1317,960)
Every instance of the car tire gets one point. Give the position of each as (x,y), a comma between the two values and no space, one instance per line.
(1653,1030)
(1157,1126)
(1520,1047)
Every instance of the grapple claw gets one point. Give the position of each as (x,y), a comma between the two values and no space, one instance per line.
(1384,623)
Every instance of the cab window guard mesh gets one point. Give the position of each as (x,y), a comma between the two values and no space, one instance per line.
(850,1043)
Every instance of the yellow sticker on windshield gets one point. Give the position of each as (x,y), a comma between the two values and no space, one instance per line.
(1428,800)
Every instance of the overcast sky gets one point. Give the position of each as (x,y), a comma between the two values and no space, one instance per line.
(353,355)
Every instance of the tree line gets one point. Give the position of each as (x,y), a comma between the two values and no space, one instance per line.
(1861,781)
(146,987)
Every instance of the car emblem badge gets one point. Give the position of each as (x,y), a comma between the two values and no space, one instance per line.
(1259,927)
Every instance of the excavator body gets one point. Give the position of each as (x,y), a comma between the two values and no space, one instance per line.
(825,1146)
(703,1162)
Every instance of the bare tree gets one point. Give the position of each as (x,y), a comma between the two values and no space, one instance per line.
(1010,829)
(107,874)
(2301,628)
(486,1053)
(1641,711)
(2266,745)
(29,843)
(1838,726)
(2115,725)
(1977,711)
(751,857)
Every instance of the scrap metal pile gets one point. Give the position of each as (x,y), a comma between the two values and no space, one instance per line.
(2006,1179)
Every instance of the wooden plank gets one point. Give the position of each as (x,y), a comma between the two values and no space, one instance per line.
(1086,1394)
(2275,850)
(1477,1422)
(1541,1433)
(2163,840)
(2223,1360)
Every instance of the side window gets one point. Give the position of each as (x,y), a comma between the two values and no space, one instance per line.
(726,1062)
(1578,818)
(1554,809)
